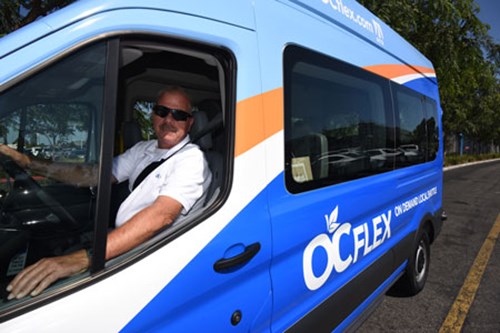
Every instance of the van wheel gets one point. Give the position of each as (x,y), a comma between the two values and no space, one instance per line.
(417,271)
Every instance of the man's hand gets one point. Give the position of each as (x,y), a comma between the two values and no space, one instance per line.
(22,160)
(35,278)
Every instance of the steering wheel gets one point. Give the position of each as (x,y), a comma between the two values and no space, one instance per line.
(30,185)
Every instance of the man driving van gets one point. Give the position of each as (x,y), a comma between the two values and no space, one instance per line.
(159,196)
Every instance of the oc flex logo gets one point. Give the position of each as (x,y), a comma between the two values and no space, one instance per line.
(364,238)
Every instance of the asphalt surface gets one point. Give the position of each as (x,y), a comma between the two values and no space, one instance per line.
(471,199)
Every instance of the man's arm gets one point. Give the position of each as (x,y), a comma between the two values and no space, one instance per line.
(69,173)
(142,226)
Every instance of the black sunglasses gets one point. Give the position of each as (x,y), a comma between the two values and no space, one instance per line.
(163,111)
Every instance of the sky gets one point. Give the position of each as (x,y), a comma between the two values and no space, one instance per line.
(490,13)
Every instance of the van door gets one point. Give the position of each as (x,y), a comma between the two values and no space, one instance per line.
(209,272)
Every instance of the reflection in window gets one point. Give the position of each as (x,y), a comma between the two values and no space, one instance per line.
(412,140)
(57,132)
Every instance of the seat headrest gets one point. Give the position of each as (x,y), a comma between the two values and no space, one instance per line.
(204,140)
(131,133)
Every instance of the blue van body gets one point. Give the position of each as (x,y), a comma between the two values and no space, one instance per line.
(315,251)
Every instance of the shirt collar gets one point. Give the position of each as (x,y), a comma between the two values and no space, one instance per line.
(152,149)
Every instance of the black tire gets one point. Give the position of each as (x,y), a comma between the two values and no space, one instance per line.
(417,271)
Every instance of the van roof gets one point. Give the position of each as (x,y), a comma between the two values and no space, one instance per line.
(237,13)
(347,15)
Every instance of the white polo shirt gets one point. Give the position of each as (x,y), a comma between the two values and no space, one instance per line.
(184,177)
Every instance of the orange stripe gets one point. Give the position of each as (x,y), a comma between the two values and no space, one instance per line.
(392,71)
(261,116)
(258,118)
(274,111)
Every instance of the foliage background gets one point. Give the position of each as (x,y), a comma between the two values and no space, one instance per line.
(17,13)
(448,32)
(466,59)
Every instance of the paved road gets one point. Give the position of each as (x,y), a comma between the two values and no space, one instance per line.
(472,200)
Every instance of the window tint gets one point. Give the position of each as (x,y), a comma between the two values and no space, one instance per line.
(52,116)
(338,122)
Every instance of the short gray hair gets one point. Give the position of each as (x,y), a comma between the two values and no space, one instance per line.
(176,90)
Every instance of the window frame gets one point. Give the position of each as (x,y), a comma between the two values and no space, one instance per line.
(103,195)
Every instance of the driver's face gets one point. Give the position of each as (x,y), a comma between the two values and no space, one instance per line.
(168,130)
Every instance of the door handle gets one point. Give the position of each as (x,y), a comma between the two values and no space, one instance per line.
(226,264)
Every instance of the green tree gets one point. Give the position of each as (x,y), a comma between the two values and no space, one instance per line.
(142,114)
(17,13)
(466,59)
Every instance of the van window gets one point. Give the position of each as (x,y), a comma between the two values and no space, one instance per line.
(338,121)
(54,116)
(432,129)
(412,127)
(341,123)
(417,132)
